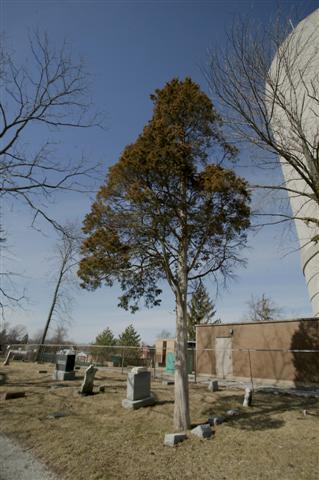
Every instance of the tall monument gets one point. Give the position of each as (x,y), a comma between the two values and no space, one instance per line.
(295,70)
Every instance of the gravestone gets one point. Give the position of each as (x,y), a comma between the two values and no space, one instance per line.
(213,386)
(248,398)
(3,378)
(64,367)
(138,389)
(88,382)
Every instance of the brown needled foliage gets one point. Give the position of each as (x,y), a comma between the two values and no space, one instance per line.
(165,213)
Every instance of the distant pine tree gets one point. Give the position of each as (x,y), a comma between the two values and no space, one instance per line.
(201,310)
(130,338)
(106,338)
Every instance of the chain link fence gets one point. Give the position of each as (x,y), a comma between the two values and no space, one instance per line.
(232,367)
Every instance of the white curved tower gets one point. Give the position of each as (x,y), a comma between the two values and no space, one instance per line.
(295,125)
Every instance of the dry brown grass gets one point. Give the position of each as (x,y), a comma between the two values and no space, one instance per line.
(98,439)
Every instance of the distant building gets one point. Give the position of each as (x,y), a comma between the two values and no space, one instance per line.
(264,351)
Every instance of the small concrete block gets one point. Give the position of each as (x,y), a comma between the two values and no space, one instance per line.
(57,415)
(213,386)
(232,412)
(216,420)
(102,388)
(135,404)
(139,370)
(172,439)
(202,431)
(12,395)
(43,371)
(60,375)
(3,378)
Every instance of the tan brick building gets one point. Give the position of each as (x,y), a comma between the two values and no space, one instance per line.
(265,351)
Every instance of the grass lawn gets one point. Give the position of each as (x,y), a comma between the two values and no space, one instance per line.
(98,439)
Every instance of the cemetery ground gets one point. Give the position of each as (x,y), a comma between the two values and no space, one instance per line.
(98,439)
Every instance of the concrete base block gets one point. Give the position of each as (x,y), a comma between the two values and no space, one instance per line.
(216,420)
(135,404)
(203,431)
(172,439)
(60,375)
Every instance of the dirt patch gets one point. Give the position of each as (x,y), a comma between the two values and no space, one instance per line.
(97,439)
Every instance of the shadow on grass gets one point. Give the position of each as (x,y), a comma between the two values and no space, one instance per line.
(261,415)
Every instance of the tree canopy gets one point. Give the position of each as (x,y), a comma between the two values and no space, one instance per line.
(166,213)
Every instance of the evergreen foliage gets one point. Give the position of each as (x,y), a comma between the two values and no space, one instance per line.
(201,310)
(106,338)
(129,337)
(166,213)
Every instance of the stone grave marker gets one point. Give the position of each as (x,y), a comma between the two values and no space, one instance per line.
(64,367)
(88,382)
(213,386)
(248,398)
(138,389)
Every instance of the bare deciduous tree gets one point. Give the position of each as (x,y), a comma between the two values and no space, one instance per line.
(267,80)
(67,260)
(262,309)
(50,92)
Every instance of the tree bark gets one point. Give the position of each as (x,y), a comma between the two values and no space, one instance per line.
(181,407)
(53,304)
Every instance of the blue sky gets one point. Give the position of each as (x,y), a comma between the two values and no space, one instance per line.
(131,48)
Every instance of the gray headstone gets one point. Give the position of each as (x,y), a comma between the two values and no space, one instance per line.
(138,385)
(202,431)
(213,386)
(88,382)
(138,389)
(64,367)
(172,439)
(216,420)
(63,376)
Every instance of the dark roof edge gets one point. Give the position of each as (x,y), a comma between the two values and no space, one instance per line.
(258,323)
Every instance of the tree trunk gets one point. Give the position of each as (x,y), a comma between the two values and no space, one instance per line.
(53,304)
(181,408)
